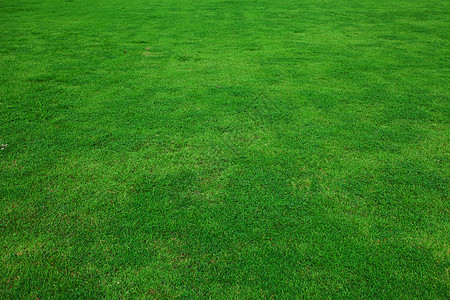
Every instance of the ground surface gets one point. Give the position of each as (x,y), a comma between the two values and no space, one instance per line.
(224,148)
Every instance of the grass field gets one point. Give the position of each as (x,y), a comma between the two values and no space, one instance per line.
(224,149)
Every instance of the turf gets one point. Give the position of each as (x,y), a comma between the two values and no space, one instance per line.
(224,149)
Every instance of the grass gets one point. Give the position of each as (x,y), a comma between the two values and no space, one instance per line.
(224,149)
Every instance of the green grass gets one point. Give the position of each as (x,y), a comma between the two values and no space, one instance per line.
(224,149)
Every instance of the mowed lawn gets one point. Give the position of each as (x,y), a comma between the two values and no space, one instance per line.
(238,149)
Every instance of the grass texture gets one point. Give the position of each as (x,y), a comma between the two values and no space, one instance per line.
(240,149)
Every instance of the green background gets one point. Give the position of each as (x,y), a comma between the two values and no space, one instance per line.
(224,149)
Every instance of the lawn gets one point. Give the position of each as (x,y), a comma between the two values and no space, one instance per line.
(238,149)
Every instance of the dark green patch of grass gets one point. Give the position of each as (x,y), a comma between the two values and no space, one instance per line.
(224,149)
